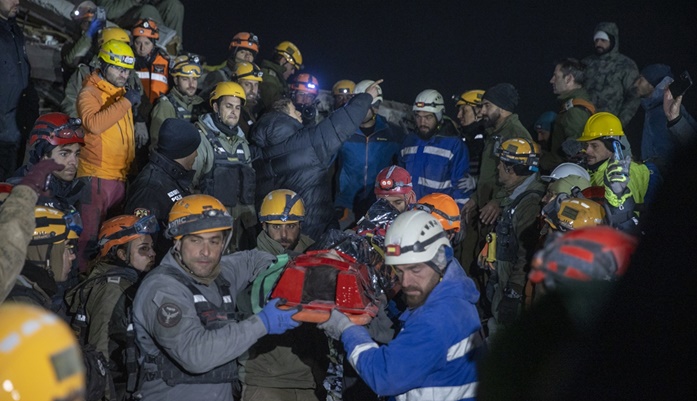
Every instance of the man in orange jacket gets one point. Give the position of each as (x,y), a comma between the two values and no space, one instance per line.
(105,106)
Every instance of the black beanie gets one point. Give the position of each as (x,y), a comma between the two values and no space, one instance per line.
(178,138)
(502,95)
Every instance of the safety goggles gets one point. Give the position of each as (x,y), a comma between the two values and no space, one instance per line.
(145,226)
(253,73)
(389,184)
(73,221)
(428,208)
(418,246)
(70,130)
(206,220)
(189,69)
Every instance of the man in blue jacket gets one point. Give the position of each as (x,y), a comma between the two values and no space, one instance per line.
(435,155)
(372,147)
(432,358)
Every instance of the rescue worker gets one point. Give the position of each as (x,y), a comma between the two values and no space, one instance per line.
(298,157)
(374,146)
(81,50)
(74,84)
(60,138)
(127,12)
(469,105)
(516,230)
(282,367)
(249,76)
(181,101)
(434,155)
(244,47)
(105,106)
(223,164)
(567,83)
(303,92)
(433,355)
(17,221)
(102,303)
(393,184)
(166,179)
(34,356)
(444,209)
(342,92)
(286,61)
(184,312)
(626,182)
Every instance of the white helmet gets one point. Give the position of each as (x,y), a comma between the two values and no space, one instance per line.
(414,237)
(565,170)
(363,85)
(431,101)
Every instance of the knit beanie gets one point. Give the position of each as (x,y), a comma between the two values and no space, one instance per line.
(503,95)
(545,121)
(178,138)
(655,73)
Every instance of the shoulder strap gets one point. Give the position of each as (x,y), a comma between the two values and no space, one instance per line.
(582,103)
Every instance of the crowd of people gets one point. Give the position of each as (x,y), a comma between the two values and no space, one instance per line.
(157,208)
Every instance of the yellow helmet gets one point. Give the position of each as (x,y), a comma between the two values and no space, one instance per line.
(575,213)
(248,71)
(282,206)
(54,226)
(471,98)
(600,125)
(113,33)
(520,151)
(117,53)
(226,88)
(39,356)
(343,87)
(291,53)
(187,65)
(197,214)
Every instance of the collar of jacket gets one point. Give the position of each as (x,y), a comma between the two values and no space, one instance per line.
(172,168)
(184,99)
(578,93)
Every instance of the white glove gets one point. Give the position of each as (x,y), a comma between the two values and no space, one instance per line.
(467,183)
(142,135)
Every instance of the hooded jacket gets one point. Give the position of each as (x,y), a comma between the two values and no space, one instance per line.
(298,158)
(610,78)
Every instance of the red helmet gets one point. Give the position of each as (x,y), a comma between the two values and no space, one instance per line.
(57,129)
(245,40)
(590,253)
(305,83)
(393,180)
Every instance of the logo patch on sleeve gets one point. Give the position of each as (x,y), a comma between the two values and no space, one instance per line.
(169,315)
(141,212)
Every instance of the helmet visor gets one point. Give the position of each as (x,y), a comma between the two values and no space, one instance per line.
(144,226)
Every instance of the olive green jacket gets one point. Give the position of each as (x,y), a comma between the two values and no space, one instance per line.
(164,109)
(568,125)
(17,224)
(273,86)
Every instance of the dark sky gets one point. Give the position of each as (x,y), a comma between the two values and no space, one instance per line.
(450,46)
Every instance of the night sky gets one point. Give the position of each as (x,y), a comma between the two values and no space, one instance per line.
(450,46)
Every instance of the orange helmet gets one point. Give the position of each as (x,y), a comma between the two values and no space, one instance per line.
(245,40)
(146,27)
(305,83)
(442,207)
(393,180)
(197,214)
(122,229)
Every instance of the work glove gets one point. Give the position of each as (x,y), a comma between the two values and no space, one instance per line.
(142,135)
(95,26)
(133,96)
(336,324)
(38,176)
(467,183)
(509,306)
(616,181)
(276,320)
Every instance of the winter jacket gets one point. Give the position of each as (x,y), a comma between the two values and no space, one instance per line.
(488,187)
(168,326)
(173,105)
(298,158)
(639,179)
(432,356)
(107,118)
(610,78)
(436,164)
(568,125)
(362,157)
(682,130)
(153,192)
(14,78)
(657,144)
(273,86)
(17,224)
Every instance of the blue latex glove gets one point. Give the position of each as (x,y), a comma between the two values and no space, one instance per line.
(336,324)
(276,320)
(95,26)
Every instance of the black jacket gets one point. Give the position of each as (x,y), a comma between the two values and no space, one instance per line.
(161,183)
(14,78)
(298,158)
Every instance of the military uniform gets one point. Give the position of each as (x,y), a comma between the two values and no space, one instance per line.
(17,224)
(187,332)
(173,105)
(273,86)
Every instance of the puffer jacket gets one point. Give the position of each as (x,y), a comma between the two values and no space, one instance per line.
(298,158)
